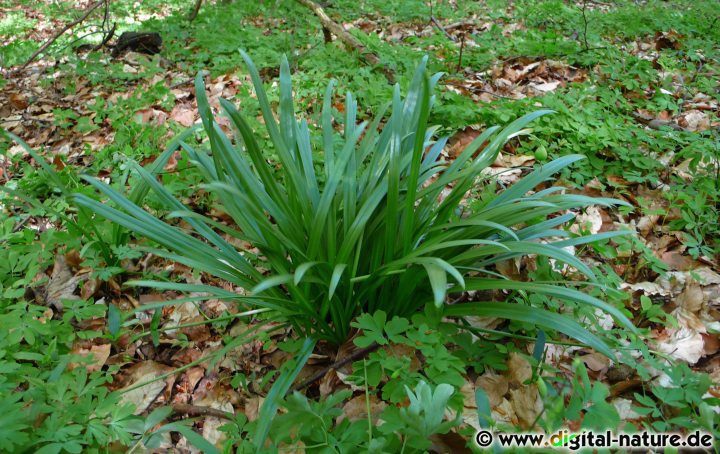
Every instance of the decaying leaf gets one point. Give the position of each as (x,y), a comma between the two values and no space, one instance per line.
(98,353)
(356,408)
(147,372)
(526,403)
(62,284)
(519,369)
(494,385)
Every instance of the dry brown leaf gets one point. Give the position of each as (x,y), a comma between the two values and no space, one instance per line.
(694,120)
(691,299)
(591,221)
(519,369)
(404,351)
(98,353)
(183,115)
(526,403)
(18,101)
(685,344)
(460,141)
(62,284)
(596,361)
(546,87)
(145,395)
(494,385)
(219,398)
(512,160)
(252,407)
(678,261)
(356,408)
(624,408)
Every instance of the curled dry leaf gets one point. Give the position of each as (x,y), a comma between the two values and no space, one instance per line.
(591,220)
(503,413)
(695,120)
(404,351)
(691,299)
(182,314)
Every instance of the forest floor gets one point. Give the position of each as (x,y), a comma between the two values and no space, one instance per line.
(635,87)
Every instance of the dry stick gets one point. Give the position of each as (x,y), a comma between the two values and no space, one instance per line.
(462,46)
(342,34)
(196,410)
(108,34)
(442,29)
(585,22)
(107,37)
(357,354)
(58,34)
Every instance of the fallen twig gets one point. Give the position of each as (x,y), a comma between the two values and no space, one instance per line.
(442,29)
(585,24)
(107,37)
(342,34)
(47,44)
(357,354)
(462,46)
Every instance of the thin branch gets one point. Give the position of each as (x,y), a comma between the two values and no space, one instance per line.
(442,29)
(107,37)
(108,34)
(462,46)
(64,29)
(585,22)
(342,34)
(357,354)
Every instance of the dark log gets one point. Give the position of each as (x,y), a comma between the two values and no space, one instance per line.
(144,42)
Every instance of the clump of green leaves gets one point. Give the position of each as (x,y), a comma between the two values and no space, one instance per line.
(360,222)
(366,228)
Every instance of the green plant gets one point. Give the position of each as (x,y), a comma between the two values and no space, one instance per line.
(366,228)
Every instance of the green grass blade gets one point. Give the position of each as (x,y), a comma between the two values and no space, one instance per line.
(277,392)
(532,315)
